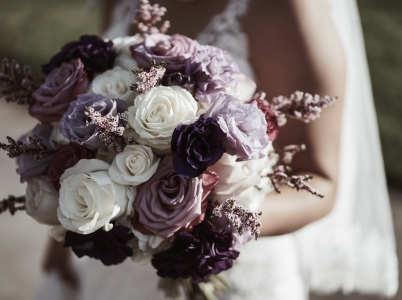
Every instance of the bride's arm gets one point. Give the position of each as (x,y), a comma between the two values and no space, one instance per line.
(294,46)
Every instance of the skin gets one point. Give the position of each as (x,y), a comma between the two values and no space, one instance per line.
(293,46)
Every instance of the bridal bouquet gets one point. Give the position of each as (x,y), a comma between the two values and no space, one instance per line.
(152,147)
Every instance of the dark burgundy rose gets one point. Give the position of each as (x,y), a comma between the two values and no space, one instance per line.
(109,247)
(96,53)
(199,254)
(66,157)
(270,117)
(197,146)
(175,50)
(62,85)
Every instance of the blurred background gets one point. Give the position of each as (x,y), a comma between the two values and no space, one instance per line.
(32,31)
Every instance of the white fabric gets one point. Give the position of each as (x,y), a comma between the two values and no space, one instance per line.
(352,249)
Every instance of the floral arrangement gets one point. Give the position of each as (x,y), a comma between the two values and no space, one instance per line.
(152,147)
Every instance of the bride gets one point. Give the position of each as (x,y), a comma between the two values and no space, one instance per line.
(311,45)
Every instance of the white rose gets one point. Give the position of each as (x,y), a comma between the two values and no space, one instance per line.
(246,181)
(123,44)
(89,199)
(135,165)
(115,84)
(42,200)
(156,114)
(126,62)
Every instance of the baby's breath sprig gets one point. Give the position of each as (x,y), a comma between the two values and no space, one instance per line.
(300,106)
(111,127)
(149,79)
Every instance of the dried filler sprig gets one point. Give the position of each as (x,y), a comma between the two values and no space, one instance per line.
(16,86)
(149,79)
(299,182)
(12,204)
(36,147)
(111,126)
(147,16)
(300,106)
(239,216)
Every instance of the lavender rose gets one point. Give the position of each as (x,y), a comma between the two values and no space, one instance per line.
(80,129)
(175,50)
(244,125)
(62,86)
(168,202)
(66,157)
(198,254)
(197,146)
(96,53)
(213,71)
(109,247)
(28,167)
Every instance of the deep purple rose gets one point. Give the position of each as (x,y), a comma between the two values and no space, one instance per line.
(109,247)
(175,50)
(168,202)
(62,86)
(79,128)
(66,157)
(270,117)
(244,125)
(96,53)
(28,167)
(199,254)
(197,146)
(213,70)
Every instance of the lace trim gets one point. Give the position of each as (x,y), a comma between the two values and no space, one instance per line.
(225,30)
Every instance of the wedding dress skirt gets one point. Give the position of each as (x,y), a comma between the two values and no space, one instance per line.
(352,249)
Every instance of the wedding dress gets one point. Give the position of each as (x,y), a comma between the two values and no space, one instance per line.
(352,249)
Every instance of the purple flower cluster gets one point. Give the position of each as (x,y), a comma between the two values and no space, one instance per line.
(211,69)
(109,247)
(197,254)
(96,53)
